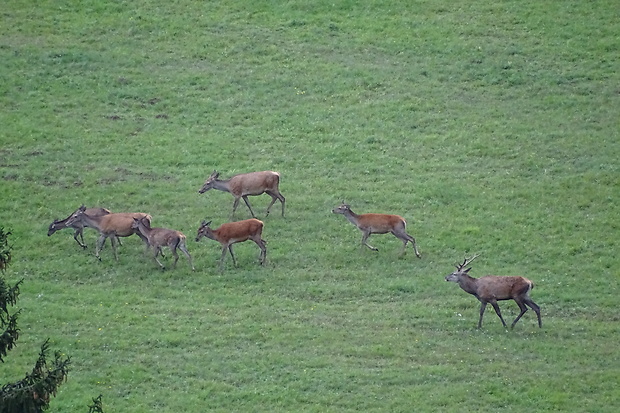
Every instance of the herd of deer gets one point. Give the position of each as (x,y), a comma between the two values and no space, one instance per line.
(488,289)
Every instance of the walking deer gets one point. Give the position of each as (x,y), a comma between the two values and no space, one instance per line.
(109,226)
(232,233)
(248,184)
(378,224)
(492,288)
(78,227)
(160,237)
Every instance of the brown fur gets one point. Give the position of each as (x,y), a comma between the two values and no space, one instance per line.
(232,233)
(160,237)
(248,184)
(78,227)
(493,288)
(109,226)
(378,224)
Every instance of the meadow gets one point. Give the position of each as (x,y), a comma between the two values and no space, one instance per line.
(491,127)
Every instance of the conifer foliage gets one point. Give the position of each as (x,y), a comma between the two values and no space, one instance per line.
(32,393)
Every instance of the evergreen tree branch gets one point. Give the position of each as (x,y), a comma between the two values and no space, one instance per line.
(9,336)
(97,406)
(32,394)
(5,249)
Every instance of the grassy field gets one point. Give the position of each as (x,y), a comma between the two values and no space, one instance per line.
(492,127)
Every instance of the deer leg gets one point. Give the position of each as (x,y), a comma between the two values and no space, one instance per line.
(232,255)
(274,197)
(113,242)
(156,252)
(404,240)
(415,248)
(263,250)
(100,243)
(404,237)
(498,312)
(483,307)
(283,201)
(176,257)
(263,242)
(183,248)
(273,200)
(523,309)
(364,240)
(536,309)
(235,205)
(245,199)
(407,238)
(78,232)
(224,249)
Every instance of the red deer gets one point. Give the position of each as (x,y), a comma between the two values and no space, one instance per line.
(109,226)
(233,232)
(378,224)
(78,227)
(249,184)
(160,237)
(492,288)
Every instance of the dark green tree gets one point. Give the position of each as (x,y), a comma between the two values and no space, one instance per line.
(32,393)
(97,406)
(5,249)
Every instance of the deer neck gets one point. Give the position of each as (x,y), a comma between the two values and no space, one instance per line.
(62,223)
(222,185)
(352,217)
(207,233)
(90,221)
(211,234)
(468,284)
(144,230)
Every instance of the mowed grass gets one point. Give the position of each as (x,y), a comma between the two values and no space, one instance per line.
(491,127)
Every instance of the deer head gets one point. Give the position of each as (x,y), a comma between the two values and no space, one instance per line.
(203,230)
(342,208)
(74,217)
(209,182)
(460,271)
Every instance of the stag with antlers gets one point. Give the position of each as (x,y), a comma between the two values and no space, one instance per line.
(493,288)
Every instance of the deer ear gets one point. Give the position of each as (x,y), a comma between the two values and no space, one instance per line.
(467,270)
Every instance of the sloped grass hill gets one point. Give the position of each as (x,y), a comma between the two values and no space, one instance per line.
(491,128)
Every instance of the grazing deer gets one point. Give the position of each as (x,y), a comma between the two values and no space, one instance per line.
(232,233)
(492,288)
(78,227)
(249,184)
(378,224)
(109,226)
(159,237)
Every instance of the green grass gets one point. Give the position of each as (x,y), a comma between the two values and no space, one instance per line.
(491,127)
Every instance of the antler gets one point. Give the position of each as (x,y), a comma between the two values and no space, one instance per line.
(466,262)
